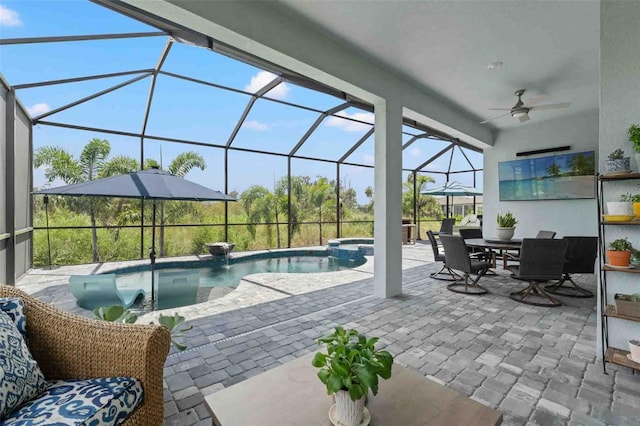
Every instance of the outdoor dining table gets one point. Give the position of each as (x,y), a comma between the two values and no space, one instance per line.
(495,245)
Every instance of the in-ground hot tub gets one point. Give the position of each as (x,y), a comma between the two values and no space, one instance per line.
(349,248)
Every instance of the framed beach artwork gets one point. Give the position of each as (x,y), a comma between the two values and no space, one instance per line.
(555,177)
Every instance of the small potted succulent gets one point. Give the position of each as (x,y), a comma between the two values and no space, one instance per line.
(628,304)
(635,202)
(506,226)
(617,163)
(634,138)
(624,207)
(349,368)
(619,252)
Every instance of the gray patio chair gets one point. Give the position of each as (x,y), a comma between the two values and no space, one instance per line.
(446,227)
(580,259)
(457,257)
(439,257)
(480,254)
(541,259)
(515,257)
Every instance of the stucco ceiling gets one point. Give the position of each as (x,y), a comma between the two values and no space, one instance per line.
(548,47)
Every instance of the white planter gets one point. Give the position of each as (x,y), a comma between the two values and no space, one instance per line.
(623,208)
(348,412)
(634,348)
(505,233)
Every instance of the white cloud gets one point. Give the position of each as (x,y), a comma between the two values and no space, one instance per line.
(415,152)
(369,159)
(351,126)
(263,78)
(38,109)
(255,125)
(9,18)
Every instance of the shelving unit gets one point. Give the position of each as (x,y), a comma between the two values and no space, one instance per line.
(611,354)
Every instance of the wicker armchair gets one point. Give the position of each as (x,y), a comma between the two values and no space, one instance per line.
(68,346)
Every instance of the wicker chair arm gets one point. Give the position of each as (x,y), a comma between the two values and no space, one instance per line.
(68,346)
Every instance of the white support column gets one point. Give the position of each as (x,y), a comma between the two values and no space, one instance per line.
(388,200)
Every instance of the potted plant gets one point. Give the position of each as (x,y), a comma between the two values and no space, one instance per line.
(506,226)
(618,163)
(634,138)
(628,304)
(349,368)
(619,252)
(634,200)
(624,207)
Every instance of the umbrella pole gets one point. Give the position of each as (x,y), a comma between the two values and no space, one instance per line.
(46,215)
(152,255)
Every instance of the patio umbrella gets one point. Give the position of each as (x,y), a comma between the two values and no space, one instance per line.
(451,189)
(151,184)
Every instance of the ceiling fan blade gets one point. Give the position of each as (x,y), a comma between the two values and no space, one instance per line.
(499,109)
(536,100)
(495,118)
(524,118)
(551,106)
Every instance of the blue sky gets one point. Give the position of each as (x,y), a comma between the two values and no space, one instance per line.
(183,109)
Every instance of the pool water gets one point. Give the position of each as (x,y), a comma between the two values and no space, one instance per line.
(221,275)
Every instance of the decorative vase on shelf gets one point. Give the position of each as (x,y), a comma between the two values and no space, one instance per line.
(619,208)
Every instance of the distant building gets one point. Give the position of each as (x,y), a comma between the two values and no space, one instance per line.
(460,206)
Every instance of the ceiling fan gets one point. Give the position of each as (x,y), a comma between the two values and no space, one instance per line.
(521,109)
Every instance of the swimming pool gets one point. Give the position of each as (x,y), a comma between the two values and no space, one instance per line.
(218,274)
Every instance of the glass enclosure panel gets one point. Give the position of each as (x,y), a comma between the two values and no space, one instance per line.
(214,68)
(39,100)
(336,134)
(191,111)
(102,112)
(61,18)
(423,149)
(30,63)
(310,98)
(364,154)
(274,127)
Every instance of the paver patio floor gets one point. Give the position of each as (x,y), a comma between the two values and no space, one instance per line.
(537,365)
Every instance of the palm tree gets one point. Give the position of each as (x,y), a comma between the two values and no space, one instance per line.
(92,164)
(553,170)
(423,202)
(180,166)
(320,191)
(258,204)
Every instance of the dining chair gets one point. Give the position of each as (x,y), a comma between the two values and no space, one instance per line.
(580,259)
(515,257)
(457,258)
(446,227)
(478,253)
(541,259)
(440,257)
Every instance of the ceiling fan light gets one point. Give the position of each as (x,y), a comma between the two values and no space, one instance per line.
(519,114)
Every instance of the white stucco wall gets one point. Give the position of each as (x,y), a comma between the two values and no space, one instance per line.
(566,217)
(619,108)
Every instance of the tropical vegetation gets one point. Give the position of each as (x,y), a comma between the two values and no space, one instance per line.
(99,230)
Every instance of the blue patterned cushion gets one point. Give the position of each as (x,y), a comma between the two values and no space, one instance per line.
(14,307)
(92,402)
(20,376)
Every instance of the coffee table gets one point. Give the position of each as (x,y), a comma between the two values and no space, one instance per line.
(292,395)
